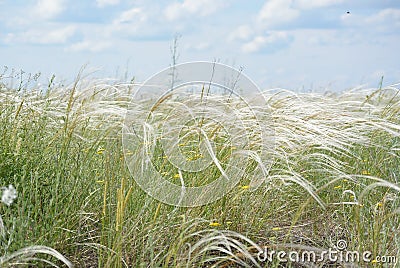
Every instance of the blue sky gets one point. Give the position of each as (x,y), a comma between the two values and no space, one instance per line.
(294,44)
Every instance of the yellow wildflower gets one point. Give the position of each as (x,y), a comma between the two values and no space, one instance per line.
(245,187)
(197,156)
(337,187)
(276,229)
(365,172)
(215,224)
(176,176)
(100,151)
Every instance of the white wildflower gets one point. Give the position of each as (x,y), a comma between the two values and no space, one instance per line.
(9,195)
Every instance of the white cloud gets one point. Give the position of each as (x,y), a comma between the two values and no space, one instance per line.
(272,14)
(128,22)
(310,4)
(104,3)
(44,37)
(91,46)
(261,42)
(58,36)
(351,19)
(329,37)
(189,8)
(254,45)
(385,16)
(275,12)
(383,21)
(131,16)
(201,46)
(48,9)
(243,32)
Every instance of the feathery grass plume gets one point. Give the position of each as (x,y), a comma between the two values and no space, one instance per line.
(25,256)
(222,247)
(49,143)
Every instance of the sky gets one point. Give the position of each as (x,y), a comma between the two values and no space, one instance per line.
(309,45)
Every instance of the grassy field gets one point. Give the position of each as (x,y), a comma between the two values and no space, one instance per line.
(334,176)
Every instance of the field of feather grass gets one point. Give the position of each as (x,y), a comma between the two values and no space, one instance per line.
(335,175)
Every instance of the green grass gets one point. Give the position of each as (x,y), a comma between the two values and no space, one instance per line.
(334,175)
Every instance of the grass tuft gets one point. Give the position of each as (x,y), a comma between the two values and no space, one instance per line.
(332,174)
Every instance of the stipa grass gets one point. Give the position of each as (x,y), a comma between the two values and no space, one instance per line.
(333,175)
